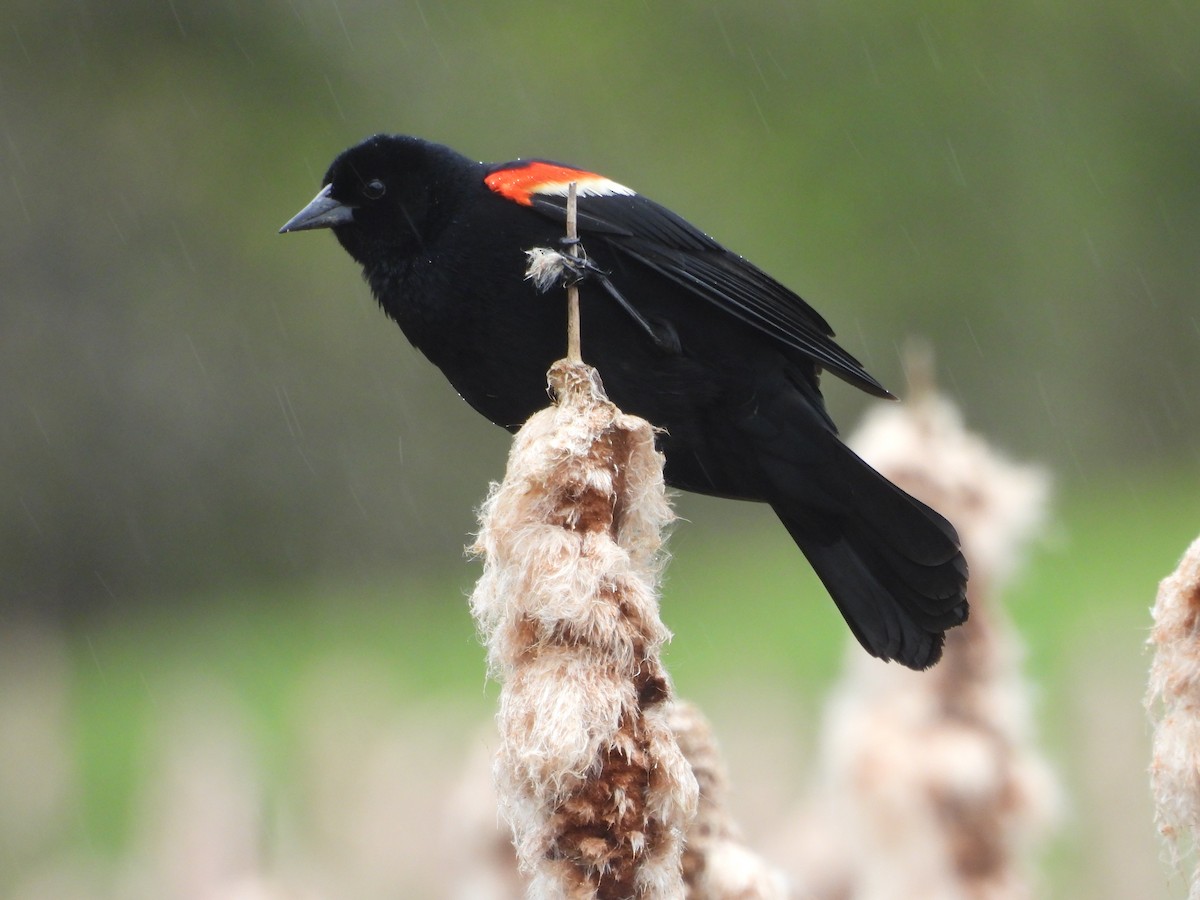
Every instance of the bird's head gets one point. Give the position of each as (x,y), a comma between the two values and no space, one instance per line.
(381,197)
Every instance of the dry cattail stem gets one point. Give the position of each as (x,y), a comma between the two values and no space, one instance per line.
(1173,699)
(574,332)
(590,777)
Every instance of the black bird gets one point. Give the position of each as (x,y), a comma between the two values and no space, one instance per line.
(704,344)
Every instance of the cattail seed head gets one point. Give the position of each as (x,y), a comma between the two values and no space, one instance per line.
(1173,699)
(932,783)
(590,777)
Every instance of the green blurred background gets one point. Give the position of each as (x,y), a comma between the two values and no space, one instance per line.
(219,463)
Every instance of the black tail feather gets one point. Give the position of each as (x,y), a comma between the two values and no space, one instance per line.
(892,565)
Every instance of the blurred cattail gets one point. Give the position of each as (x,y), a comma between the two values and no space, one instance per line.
(38,789)
(590,777)
(932,784)
(201,822)
(717,865)
(1173,699)
(479,855)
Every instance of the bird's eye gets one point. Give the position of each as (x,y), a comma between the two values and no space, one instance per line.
(374,189)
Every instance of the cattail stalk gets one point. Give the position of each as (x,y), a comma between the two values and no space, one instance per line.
(574,332)
(1173,699)
(590,777)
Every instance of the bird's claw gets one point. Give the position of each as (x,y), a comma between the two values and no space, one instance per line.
(549,268)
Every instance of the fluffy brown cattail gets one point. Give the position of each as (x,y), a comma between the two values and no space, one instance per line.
(590,778)
(1173,699)
(716,863)
(933,785)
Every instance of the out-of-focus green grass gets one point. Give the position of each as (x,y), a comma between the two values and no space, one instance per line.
(260,643)
(744,610)
(1112,540)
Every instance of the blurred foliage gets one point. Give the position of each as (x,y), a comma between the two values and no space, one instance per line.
(764,666)
(191,402)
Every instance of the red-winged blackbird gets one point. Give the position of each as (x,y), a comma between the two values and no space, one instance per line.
(702,343)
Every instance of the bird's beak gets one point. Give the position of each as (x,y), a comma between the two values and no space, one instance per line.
(322,212)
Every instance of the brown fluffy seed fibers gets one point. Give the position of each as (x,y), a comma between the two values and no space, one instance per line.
(590,778)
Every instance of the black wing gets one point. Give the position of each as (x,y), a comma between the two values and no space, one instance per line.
(656,237)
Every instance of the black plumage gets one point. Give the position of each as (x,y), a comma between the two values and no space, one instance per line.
(730,371)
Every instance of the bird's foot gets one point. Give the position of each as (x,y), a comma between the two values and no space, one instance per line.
(548,268)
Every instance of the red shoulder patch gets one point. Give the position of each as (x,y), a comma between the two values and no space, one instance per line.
(520,183)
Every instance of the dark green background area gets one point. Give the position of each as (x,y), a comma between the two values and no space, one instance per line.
(217,455)
(190,399)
